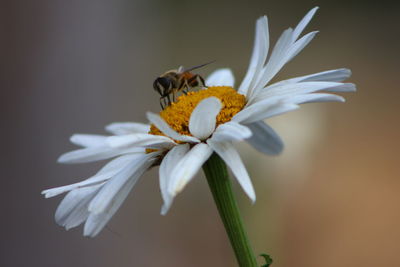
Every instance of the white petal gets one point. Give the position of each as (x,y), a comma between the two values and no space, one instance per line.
(187,167)
(258,57)
(231,131)
(138,139)
(167,130)
(271,112)
(168,163)
(121,128)
(119,163)
(345,87)
(229,154)
(264,138)
(286,54)
(337,75)
(203,118)
(291,89)
(263,110)
(94,180)
(72,210)
(88,140)
(87,155)
(96,221)
(303,23)
(289,92)
(275,62)
(111,189)
(299,45)
(221,77)
(108,171)
(95,153)
(311,98)
(264,45)
(285,49)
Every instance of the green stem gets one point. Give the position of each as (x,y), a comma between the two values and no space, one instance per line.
(220,185)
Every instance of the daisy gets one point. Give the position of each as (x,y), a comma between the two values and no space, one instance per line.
(182,137)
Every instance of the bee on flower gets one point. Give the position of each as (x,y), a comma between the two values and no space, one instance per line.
(182,137)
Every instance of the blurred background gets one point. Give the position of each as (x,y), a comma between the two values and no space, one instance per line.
(331,199)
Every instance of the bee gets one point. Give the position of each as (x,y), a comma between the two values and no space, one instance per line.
(174,81)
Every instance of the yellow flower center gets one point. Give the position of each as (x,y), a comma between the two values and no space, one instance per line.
(177,115)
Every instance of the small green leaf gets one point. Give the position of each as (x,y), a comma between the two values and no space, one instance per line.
(268,260)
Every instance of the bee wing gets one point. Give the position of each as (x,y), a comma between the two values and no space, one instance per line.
(195,67)
(181,69)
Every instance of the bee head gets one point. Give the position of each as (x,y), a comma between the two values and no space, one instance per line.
(162,85)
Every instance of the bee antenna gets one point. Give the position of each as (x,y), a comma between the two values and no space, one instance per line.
(199,66)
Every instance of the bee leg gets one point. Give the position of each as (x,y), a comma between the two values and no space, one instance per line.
(196,80)
(162,102)
(201,81)
(181,87)
(186,86)
(173,96)
(169,99)
(192,82)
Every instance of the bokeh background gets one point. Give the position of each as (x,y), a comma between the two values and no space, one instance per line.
(331,199)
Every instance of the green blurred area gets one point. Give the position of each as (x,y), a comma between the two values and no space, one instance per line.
(331,199)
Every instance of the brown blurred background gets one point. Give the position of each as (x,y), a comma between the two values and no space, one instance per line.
(331,199)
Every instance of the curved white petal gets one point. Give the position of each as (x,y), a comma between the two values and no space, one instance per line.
(298,88)
(168,163)
(87,155)
(94,180)
(287,90)
(263,110)
(258,57)
(121,128)
(312,98)
(138,139)
(221,77)
(187,167)
(337,75)
(72,210)
(275,61)
(111,190)
(167,130)
(229,154)
(88,140)
(265,139)
(203,118)
(120,163)
(231,131)
(95,153)
(98,218)
(303,23)
(343,88)
(96,221)
(298,46)
(285,49)
(105,173)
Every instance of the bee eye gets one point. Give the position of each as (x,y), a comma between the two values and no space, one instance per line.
(163,82)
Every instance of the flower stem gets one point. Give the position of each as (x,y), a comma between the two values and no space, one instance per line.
(220,186)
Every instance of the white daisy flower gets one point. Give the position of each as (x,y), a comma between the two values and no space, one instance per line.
(185,134)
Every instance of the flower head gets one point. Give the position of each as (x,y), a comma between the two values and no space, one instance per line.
(185,134)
